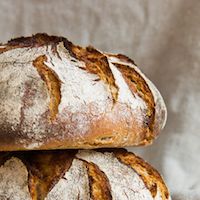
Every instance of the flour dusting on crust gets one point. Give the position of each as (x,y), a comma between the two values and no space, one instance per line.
(130,185)
(74,185)
(85,98)
(161,111)
(13,181)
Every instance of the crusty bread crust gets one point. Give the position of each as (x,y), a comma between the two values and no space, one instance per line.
(105,174)
(56,95)
(148,174)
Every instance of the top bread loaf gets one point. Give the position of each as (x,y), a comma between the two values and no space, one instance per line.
(54,95)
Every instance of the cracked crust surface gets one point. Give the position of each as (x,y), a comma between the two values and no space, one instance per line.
(56,95)
(103,174)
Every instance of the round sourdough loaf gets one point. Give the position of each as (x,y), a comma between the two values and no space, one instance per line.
(54,95)
(84,174)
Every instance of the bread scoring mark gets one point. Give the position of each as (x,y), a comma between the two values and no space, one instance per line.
(73,185)
(53,84)
(122,178)
(159,121)
(138,85)
(97,63)
(40,51)
(148,174)
(45,169)
(100,188)
(122,58)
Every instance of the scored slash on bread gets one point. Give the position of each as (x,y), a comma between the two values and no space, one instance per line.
(57,95)
(85,174)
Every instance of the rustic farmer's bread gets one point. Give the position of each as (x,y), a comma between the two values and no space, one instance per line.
(54,95)
(84,174)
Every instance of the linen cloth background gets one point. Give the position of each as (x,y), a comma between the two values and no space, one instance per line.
(163,37)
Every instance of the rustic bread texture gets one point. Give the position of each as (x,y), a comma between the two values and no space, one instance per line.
(87,174)
(55,95)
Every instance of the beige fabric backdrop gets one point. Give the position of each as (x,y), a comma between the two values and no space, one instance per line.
(164,39)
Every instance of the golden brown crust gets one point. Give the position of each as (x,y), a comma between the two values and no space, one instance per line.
(113,119)
(45,169)
(53,84)
(121,135)
(122,58)
(149,175)
(97,63)
(99,183)
(138,85)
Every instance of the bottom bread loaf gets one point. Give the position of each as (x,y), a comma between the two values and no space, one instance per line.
(78,175)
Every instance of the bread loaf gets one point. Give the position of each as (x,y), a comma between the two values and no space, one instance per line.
(84,174)
(55,95)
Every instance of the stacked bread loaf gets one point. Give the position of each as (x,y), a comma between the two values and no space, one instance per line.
(58,101)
